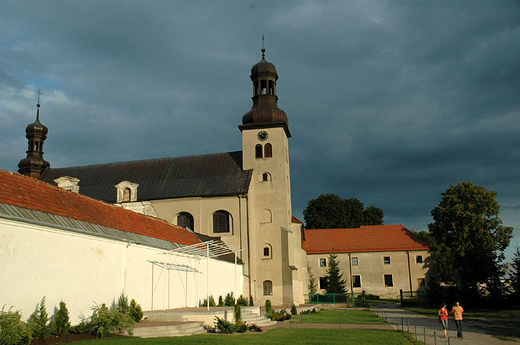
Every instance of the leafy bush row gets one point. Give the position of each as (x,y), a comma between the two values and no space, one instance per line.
(229,300)
(104,322)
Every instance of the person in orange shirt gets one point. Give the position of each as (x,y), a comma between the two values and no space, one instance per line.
(457,311)
(443,319)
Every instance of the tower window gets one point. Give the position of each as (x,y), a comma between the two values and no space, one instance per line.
(221,222)
(267,251)
(268,288)
(185,219)
(258,151)
(268,150)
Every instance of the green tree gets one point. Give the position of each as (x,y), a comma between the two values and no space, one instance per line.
(38,321)
(469,236)
(60,324)
(313,287)
(335,282)
(515,277)
(329,211)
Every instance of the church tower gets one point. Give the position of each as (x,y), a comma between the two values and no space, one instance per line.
(265,150)
(34,164)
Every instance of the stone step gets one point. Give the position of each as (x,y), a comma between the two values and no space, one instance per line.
(177,330)
(164,316)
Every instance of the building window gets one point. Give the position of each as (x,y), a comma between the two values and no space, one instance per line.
(267,251)
(268,288)
(386,260)
(356,281)
(126,195)
(221,222)
(388,280)
(126,191)
(268,150)
(266,177)
(418,259)
(323,262)
(323,283)
(354,261)
(258,151)
(186,220)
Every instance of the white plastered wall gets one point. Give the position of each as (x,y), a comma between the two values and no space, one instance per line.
(82,270)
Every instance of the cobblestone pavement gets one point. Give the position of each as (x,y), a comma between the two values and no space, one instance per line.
(429,325)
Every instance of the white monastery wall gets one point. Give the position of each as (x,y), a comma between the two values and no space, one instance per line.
(82,270)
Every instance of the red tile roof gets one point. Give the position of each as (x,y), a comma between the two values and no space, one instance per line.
(27,192)
(373,238)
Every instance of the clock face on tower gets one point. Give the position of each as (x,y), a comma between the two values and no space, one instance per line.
(262,135)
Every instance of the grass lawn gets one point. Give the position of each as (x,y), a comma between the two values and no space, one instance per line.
(499,323)
(340,316)
(275,336)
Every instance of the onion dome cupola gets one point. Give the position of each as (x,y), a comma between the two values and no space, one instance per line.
(34,164)
(265,111)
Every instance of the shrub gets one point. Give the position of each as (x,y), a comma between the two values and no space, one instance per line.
(238,313)
(60,324)
(122,304)
(106,321)
(224,326)
(13,331)
(211,302)
(241,327)
(242,301)
(294,311)
(251,303)
(230,300)
(282,315)
(38,321)
(135,310)
(81,328)
(220,301)
(255,328)
(268,308)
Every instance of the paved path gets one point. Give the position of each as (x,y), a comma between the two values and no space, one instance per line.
(472,335)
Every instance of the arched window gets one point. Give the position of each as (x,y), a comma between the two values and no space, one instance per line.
(258,151)
(185,219)
(267,251)
(268,288)
(221,222)
(268,150)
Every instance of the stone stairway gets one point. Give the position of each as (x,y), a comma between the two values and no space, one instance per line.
(150,329)
(252,315)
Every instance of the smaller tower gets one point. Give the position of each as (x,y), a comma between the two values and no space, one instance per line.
(34,164)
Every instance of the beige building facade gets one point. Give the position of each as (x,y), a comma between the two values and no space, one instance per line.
(379,260)
(242,197)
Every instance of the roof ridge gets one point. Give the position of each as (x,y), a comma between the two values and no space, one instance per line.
(146,160)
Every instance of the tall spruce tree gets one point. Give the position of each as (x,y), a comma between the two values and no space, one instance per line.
(335,282)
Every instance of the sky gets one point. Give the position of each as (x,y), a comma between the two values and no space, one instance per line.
(388,102)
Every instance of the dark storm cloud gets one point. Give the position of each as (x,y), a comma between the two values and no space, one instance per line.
(388,101)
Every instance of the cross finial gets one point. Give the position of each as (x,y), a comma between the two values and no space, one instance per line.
(39,94)
(263,47)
